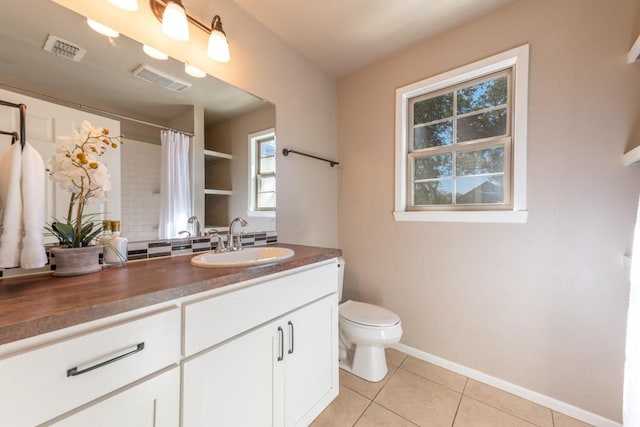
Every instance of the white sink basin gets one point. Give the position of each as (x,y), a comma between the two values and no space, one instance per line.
(243,258)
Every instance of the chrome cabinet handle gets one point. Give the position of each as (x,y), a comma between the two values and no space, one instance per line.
(74,371)
(291,332)
(281,339)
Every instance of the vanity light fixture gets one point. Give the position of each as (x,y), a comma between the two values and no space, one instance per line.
(128,5)
(102,29)
(175,24)
(194,71)
(218,44)
(155,53)
(174,20)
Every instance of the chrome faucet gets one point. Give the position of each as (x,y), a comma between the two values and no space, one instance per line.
(235,242)
(196,226)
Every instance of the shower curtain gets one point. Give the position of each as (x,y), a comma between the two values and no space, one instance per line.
(175,188)
(631,399)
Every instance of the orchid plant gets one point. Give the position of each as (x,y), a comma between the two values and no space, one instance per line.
(76,168)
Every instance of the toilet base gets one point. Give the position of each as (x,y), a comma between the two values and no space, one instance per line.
(366,361)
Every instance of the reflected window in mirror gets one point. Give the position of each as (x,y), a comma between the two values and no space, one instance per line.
(262,173)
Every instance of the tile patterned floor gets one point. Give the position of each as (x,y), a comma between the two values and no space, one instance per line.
(417,393)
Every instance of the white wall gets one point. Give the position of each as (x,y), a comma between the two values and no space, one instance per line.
(541,305)
(305,100)
(234,133)
(141,192)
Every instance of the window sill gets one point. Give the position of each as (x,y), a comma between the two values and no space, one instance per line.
(262,214)
(507,217)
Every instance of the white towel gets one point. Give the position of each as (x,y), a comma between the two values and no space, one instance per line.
(33,254)
(631,398)
(11,202)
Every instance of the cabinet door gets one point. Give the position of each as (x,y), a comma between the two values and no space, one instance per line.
(232,384)
(153,403)
(311,360)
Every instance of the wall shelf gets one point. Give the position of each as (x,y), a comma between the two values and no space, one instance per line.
(217,192)
(634,53)
(217,184)
(631,157)
(217,155)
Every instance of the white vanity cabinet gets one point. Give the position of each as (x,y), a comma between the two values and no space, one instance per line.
(310,363)
(261,352)
(281,370)
(43,382)
(282,373)
(232,384)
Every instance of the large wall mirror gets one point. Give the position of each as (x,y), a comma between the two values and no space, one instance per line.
(221,119)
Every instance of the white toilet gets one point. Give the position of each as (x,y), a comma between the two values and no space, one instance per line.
(365,331)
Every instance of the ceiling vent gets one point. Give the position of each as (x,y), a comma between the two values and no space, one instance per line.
(64,48)
(159,78)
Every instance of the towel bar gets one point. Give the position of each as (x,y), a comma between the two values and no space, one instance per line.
(286,152)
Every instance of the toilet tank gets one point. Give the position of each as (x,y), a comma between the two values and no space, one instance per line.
(340,262)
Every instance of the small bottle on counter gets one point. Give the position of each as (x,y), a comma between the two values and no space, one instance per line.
(115,248)
(106,232)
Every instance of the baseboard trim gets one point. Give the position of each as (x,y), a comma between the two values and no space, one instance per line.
(541,399)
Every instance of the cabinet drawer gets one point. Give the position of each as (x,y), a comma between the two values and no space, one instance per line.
(38,385)
(154,402)
(211,321)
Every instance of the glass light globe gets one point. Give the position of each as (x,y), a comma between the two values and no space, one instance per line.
(102,29)
(218,49)
(174,22)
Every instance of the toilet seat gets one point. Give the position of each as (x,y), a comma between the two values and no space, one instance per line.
(367,314)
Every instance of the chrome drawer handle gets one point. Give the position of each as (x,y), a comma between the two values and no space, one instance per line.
(291,332)
(74,371)
(281,339)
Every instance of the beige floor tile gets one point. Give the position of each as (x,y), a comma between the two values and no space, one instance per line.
(344,411)
(364,387)
(476,414)
(394,357)
(435,373)
(419,400)
(562,420)
(521,408)
(377,416)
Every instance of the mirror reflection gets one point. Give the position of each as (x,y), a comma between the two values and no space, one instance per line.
(115,85)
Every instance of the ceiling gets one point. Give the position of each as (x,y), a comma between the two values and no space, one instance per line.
(103,78)
(341,36)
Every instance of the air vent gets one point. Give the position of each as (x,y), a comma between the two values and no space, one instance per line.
(64,48)
(159,78)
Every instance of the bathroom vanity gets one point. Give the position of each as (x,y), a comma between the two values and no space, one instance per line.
(163,343)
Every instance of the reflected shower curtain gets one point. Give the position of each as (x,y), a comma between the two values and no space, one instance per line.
(175,188)
(631,399)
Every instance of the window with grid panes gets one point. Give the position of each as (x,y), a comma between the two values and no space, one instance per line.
(463,145)
(460,145)
(265,178)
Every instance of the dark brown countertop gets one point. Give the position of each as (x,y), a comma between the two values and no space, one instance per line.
(33,305)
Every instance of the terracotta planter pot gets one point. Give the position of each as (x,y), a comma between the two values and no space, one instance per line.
(76,261)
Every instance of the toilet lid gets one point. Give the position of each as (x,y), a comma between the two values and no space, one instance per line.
(367,314)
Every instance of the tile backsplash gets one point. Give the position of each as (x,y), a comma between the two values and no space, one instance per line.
(158,248)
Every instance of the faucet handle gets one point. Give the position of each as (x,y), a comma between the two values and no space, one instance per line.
(220,247)
(185,231)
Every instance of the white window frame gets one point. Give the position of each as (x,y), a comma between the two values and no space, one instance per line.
(518,60)
(253,140)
